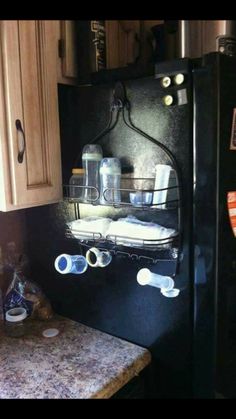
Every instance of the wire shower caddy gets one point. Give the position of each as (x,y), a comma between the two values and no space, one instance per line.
(170,248)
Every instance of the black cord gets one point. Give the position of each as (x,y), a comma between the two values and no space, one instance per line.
(104,132)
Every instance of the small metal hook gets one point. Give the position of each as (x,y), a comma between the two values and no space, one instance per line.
(119,96)
(117,104)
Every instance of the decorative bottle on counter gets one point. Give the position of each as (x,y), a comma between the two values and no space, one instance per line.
(14,325)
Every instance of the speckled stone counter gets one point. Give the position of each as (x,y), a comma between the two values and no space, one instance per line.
(80,362)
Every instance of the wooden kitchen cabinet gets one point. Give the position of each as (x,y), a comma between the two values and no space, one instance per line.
(30,160)
(123,42)
(122,47)
(67,52)
(127,42)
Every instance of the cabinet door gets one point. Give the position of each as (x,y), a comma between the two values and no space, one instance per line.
(68,66)
(122,42)
(30,142)
(129,42)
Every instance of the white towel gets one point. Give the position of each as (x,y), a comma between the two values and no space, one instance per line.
(89,227)
(127,231)
(132,231)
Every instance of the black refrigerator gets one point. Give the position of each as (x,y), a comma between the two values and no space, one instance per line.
(188,107)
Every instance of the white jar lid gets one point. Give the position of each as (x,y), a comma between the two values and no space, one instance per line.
(174,292)
(50,333)
(16,314)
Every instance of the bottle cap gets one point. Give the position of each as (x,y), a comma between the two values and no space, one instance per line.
(78,171)
(110,166)
(16,314)
(92,152)
(174,292)
(63,263)
(143,276)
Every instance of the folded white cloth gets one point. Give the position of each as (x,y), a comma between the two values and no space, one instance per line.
(131,231)
(128,231)
(90,227)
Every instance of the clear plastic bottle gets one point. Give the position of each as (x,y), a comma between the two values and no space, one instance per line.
(91,158)
(110,174)
(76,183)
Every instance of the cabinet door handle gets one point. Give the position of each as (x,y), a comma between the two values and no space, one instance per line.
(21,141)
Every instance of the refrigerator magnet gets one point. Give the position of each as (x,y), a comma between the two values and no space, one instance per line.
(231,202)
(233,132)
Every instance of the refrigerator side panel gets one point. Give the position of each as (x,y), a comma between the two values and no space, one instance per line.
(205,210)
(226,319)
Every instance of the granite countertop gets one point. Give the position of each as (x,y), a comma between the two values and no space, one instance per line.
(80,362)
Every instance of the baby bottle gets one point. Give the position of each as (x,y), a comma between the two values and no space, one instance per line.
(110,174)
(91,158)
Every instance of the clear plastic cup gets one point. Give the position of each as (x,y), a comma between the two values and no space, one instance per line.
(140,198)
(67,264)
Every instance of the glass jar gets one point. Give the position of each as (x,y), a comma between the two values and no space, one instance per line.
(14,324)
(76,183)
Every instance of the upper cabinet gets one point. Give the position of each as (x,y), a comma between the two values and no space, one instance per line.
(88,46)
(30,160)
(123,42)
(67,51)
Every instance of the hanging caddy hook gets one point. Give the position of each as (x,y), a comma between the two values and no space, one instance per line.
(120,100)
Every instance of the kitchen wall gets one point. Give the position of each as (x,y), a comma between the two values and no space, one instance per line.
(12,230)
